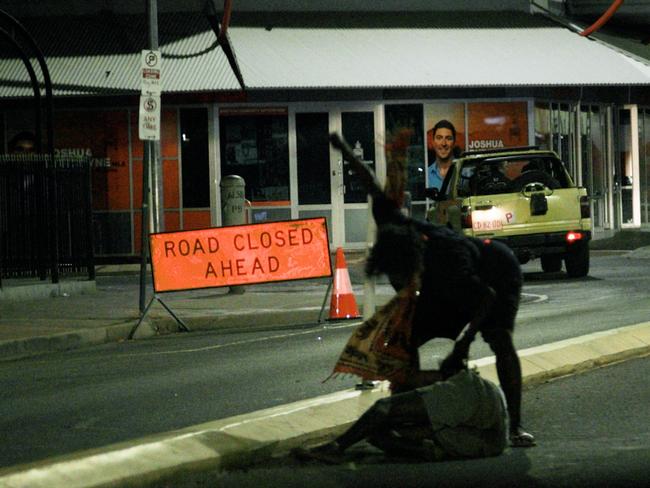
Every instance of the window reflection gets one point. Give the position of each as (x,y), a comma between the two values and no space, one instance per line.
(254,145)
(410,117)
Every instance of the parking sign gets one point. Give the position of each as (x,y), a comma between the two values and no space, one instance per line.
(149,118)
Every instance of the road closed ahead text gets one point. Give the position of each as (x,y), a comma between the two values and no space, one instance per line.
(238,255)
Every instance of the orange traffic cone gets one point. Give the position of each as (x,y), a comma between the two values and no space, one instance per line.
(343,304)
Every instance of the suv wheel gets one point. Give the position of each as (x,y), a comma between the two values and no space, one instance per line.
(551,263)
(577,260)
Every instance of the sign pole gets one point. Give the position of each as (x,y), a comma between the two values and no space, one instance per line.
(144,241)
(155,297)
(156,167)
(322,308)
(149,132)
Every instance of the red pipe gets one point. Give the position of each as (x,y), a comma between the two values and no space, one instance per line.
(603,18)
(227,10)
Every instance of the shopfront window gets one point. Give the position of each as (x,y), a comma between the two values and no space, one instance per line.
(623,174)
(644,163)
(408,118)
(562,133)
(194,153)
(254,145)
(542,126)
(598,152)
(313,154)
(585,146)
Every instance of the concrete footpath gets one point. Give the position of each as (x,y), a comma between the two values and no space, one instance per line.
(98,314)
(40,317)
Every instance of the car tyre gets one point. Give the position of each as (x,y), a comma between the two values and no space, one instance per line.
(551,263)
(576,260)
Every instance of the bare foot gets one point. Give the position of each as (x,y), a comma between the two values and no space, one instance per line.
(329,453)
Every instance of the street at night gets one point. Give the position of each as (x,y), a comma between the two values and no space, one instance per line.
(65,402)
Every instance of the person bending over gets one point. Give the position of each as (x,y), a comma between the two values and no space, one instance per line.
(468,286)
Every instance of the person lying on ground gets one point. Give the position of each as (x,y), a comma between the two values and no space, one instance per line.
(463,416)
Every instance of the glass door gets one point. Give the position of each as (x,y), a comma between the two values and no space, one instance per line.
(358,129)
(626,170)
(312,149)
(325,184)
(593,145)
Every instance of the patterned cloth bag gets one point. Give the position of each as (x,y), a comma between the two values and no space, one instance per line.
(380,348)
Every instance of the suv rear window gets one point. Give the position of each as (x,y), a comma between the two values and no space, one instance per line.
(508,174)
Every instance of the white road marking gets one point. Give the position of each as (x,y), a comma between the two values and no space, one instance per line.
(248,341)
(538,298)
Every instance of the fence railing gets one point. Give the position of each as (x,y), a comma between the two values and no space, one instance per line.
(45,217)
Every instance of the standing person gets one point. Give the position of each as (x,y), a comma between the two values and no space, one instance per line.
(444,147)
(467,286)
(463,416)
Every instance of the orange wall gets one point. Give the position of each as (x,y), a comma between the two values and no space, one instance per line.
(497,124)
(103,135)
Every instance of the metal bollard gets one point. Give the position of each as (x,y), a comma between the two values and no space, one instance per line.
(233,209)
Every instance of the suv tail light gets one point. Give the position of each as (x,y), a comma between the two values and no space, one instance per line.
(585,208)
(466,217)
(573,236)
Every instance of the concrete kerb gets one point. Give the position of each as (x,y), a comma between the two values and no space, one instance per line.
(152,325)
(47,290)
(257,310)
(256,320)
(33,346)
(241,440)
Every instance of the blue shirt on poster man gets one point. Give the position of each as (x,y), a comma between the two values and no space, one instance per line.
(435,179)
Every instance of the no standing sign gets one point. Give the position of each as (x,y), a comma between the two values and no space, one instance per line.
(150,89)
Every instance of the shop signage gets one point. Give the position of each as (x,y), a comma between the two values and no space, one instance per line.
(240,255)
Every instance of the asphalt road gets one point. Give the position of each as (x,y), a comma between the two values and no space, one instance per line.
(593,430)
(93,397)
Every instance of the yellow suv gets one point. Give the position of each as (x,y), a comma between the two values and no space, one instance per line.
(523,197)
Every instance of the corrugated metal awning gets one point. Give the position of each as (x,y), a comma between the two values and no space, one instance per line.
(101,56)
(354,58)
(95,56)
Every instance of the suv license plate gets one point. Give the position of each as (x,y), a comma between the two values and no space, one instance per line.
(487,220)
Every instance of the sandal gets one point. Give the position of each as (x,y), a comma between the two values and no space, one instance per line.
(521,438)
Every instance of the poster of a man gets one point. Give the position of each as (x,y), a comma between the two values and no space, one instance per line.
(447,121)
(444,148)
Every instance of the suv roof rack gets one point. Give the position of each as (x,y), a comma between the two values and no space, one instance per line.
(499,150)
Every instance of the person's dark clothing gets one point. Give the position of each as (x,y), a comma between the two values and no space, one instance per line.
(457,272)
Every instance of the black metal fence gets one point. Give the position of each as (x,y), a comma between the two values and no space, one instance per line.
(45,217)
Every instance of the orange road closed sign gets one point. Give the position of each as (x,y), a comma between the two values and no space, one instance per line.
(240,255)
